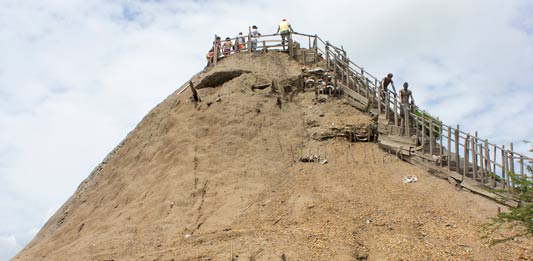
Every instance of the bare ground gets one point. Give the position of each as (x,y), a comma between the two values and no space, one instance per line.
(220,182)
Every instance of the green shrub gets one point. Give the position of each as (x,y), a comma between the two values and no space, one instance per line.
(520,217)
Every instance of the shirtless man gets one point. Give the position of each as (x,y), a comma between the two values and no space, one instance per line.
(405,94)
(385,84)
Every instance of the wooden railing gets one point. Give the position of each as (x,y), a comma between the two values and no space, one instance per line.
(469,155)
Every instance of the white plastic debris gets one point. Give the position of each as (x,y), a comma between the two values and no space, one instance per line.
(188,235)
(410,179)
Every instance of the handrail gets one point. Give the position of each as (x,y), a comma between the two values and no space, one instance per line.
(485,156)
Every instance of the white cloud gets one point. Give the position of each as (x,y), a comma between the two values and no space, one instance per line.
(76,76)
(9,243)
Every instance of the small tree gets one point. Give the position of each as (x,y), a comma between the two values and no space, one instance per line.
(520,217)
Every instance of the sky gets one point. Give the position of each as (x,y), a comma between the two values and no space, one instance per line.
(76,76)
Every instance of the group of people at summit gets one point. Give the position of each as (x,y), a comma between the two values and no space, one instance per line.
(224,49)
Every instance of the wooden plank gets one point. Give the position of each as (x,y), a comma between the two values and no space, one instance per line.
(356,104)
(449,148)
(467,184)
(353,94)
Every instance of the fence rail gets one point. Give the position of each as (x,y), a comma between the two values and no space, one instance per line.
(454,149)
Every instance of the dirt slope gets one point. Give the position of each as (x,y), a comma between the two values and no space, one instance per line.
(219,182)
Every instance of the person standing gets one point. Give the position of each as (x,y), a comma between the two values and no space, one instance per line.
(240,42)
(255,36)
(284,29)
(227,46)
(406,96)
(385,84)
(406,101)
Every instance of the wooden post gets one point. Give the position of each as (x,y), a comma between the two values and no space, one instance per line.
(474,157)
(249,39)
(373,100)
(431,137)
(395,112)
(327,55)
(309,44)
(387,107)
(449,148)
(521,166)
(291,46)
(362,77)
(236,45)
(457,161)
(494,162)
(423,132)
(376,92)
(347,69)
(406,121)
(315,48)
(335,68)
(367,88)
(195,95)
(511,164)
(504,175)
(357,86)
(379,102)
(487,163)
(264,47)
(465,156)
(215,50)
(441,150)
(304,58)
(415,123)
(301,83)
(481,155)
